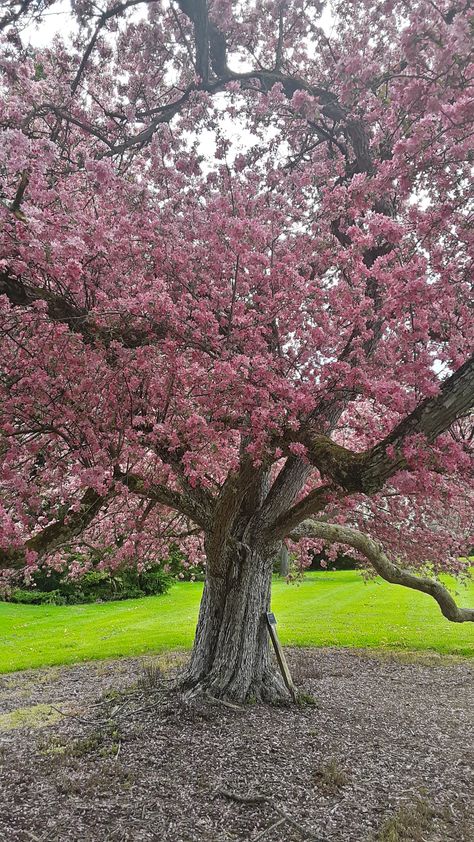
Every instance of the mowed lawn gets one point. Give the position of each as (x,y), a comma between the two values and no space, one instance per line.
(325,609)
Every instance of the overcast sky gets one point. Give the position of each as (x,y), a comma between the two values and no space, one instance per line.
(60,21)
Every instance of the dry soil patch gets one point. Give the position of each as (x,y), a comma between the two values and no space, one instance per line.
(386,750)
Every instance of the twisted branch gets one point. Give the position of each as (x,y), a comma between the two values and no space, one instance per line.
(335,534)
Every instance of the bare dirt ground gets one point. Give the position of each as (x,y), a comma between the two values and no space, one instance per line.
(385,753)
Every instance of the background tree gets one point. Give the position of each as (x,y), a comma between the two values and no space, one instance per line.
(265,339)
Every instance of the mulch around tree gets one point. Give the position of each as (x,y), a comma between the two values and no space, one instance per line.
(112,754)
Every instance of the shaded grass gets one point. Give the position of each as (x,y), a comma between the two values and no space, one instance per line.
(36,716)
(325,609)
(409,823)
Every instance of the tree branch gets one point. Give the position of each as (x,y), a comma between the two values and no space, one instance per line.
(285,490)
(60,308)
(432,417)
(314,502)
(209,40)
(281,35)
(68,526)
(335,534)
(25,7)
(197,12)
(182,503)
(72,523)
(368,471)
(104,17)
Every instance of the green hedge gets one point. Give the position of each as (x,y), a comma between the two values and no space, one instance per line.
(94,586)
(34,597)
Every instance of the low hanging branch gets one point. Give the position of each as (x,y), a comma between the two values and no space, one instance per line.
(71,523)
(192,507)
(65,528)
(335,534)
(348,472)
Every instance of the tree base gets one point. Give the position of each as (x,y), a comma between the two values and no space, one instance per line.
(269,689)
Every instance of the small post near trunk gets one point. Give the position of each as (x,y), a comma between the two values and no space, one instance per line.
(280,655)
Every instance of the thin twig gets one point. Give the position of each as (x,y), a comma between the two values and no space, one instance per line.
(80,718)
(258,798)
(268,829)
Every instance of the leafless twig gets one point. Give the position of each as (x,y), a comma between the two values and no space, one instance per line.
(258,798)
(229,705)
(269,829)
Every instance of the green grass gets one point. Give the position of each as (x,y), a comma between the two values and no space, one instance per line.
(325,609)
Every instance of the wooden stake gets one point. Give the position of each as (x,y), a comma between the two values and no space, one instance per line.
(280,655)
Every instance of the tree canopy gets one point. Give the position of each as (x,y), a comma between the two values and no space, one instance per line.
(224,342)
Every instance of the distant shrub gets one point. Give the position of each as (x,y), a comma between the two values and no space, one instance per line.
(341,562)
(34,597)
(155,581)
(93,586)
(97,582)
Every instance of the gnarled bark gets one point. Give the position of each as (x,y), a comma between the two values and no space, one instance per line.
(231,655)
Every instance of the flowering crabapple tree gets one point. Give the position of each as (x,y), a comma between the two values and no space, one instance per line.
(261,338)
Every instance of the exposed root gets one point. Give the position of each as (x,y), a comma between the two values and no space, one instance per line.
(269,689)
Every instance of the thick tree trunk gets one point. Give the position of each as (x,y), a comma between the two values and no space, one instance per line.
(231,658)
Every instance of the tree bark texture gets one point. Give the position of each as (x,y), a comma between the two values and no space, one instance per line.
(231,655)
